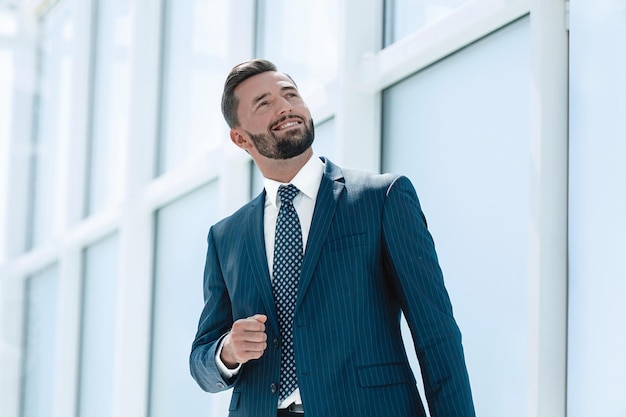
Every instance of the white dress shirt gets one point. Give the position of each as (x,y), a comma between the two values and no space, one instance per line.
(307,180)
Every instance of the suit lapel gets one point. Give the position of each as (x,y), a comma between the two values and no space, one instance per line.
(327,197)
(255,245)
(330,189)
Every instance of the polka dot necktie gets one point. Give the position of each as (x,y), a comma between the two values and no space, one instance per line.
(288,256)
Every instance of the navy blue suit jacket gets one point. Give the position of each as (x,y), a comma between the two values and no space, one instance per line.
(369,256)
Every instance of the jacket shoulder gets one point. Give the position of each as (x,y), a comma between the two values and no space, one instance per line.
(362,181)
(234,221)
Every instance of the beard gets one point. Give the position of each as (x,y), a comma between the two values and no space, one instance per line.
(292,143)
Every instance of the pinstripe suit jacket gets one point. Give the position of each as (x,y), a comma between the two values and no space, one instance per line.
(369,255)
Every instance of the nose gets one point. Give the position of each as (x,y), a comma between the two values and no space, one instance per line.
(284,106)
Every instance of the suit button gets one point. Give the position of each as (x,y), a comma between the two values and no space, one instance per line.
(273,388)
(220,385)
(276,343)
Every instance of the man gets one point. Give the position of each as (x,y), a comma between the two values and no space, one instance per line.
(303,294)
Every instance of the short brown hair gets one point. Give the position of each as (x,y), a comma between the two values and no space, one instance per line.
(237,75)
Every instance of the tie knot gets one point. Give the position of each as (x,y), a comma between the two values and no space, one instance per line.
(287,193)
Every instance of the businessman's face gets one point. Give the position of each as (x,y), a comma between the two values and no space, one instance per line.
(273,116)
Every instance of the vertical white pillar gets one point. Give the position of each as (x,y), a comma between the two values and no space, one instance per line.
(358,120)
(71,198)
(234,172)
(134,303)
(548,215)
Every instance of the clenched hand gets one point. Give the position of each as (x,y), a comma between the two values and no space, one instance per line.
(246,341)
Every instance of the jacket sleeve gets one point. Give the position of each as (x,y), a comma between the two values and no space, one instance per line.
(215,322)
(412,264)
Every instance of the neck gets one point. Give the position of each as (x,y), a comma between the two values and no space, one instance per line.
(283,170)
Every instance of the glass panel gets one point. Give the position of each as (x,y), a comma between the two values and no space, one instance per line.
(6,112)
(325,139)
(39,343)
(194,72)
(460,130)
(301,38)
(8,24)
(53,123)
(596,377)
(181,231)
(98,328)
(402,17)
(111,102)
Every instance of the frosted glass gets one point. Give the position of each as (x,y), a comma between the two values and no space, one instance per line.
(301,38)
(53,123)
(8,23)
(111,104)
(460,131)
(40,343)
(181,232)
(6,116)
(195,68)
(98,328)
(326,139)
(402,17)
(596,373)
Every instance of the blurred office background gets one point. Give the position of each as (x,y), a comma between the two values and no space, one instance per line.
(508,115)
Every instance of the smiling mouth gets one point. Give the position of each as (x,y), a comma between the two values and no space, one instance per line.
(286,124)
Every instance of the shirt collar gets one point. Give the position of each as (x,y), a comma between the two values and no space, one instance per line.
(307,180)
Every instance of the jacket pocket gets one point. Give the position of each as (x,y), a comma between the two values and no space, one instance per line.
(346,242)
(385,374)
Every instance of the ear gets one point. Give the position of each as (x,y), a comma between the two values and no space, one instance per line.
(240,139)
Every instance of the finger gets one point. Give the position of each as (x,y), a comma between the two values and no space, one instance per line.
(250,347)
(245,351)
(240,337)
(238,352)
(250,324)
(261,318)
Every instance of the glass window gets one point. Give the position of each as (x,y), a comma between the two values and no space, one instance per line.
(111,104)
(39,343)
(53,120)
(8,24)
(402,17)
(325,139)
(6,110)
(301,38)
(100,274)
(194,72)
(460,130)
(181,232)
(596,380)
